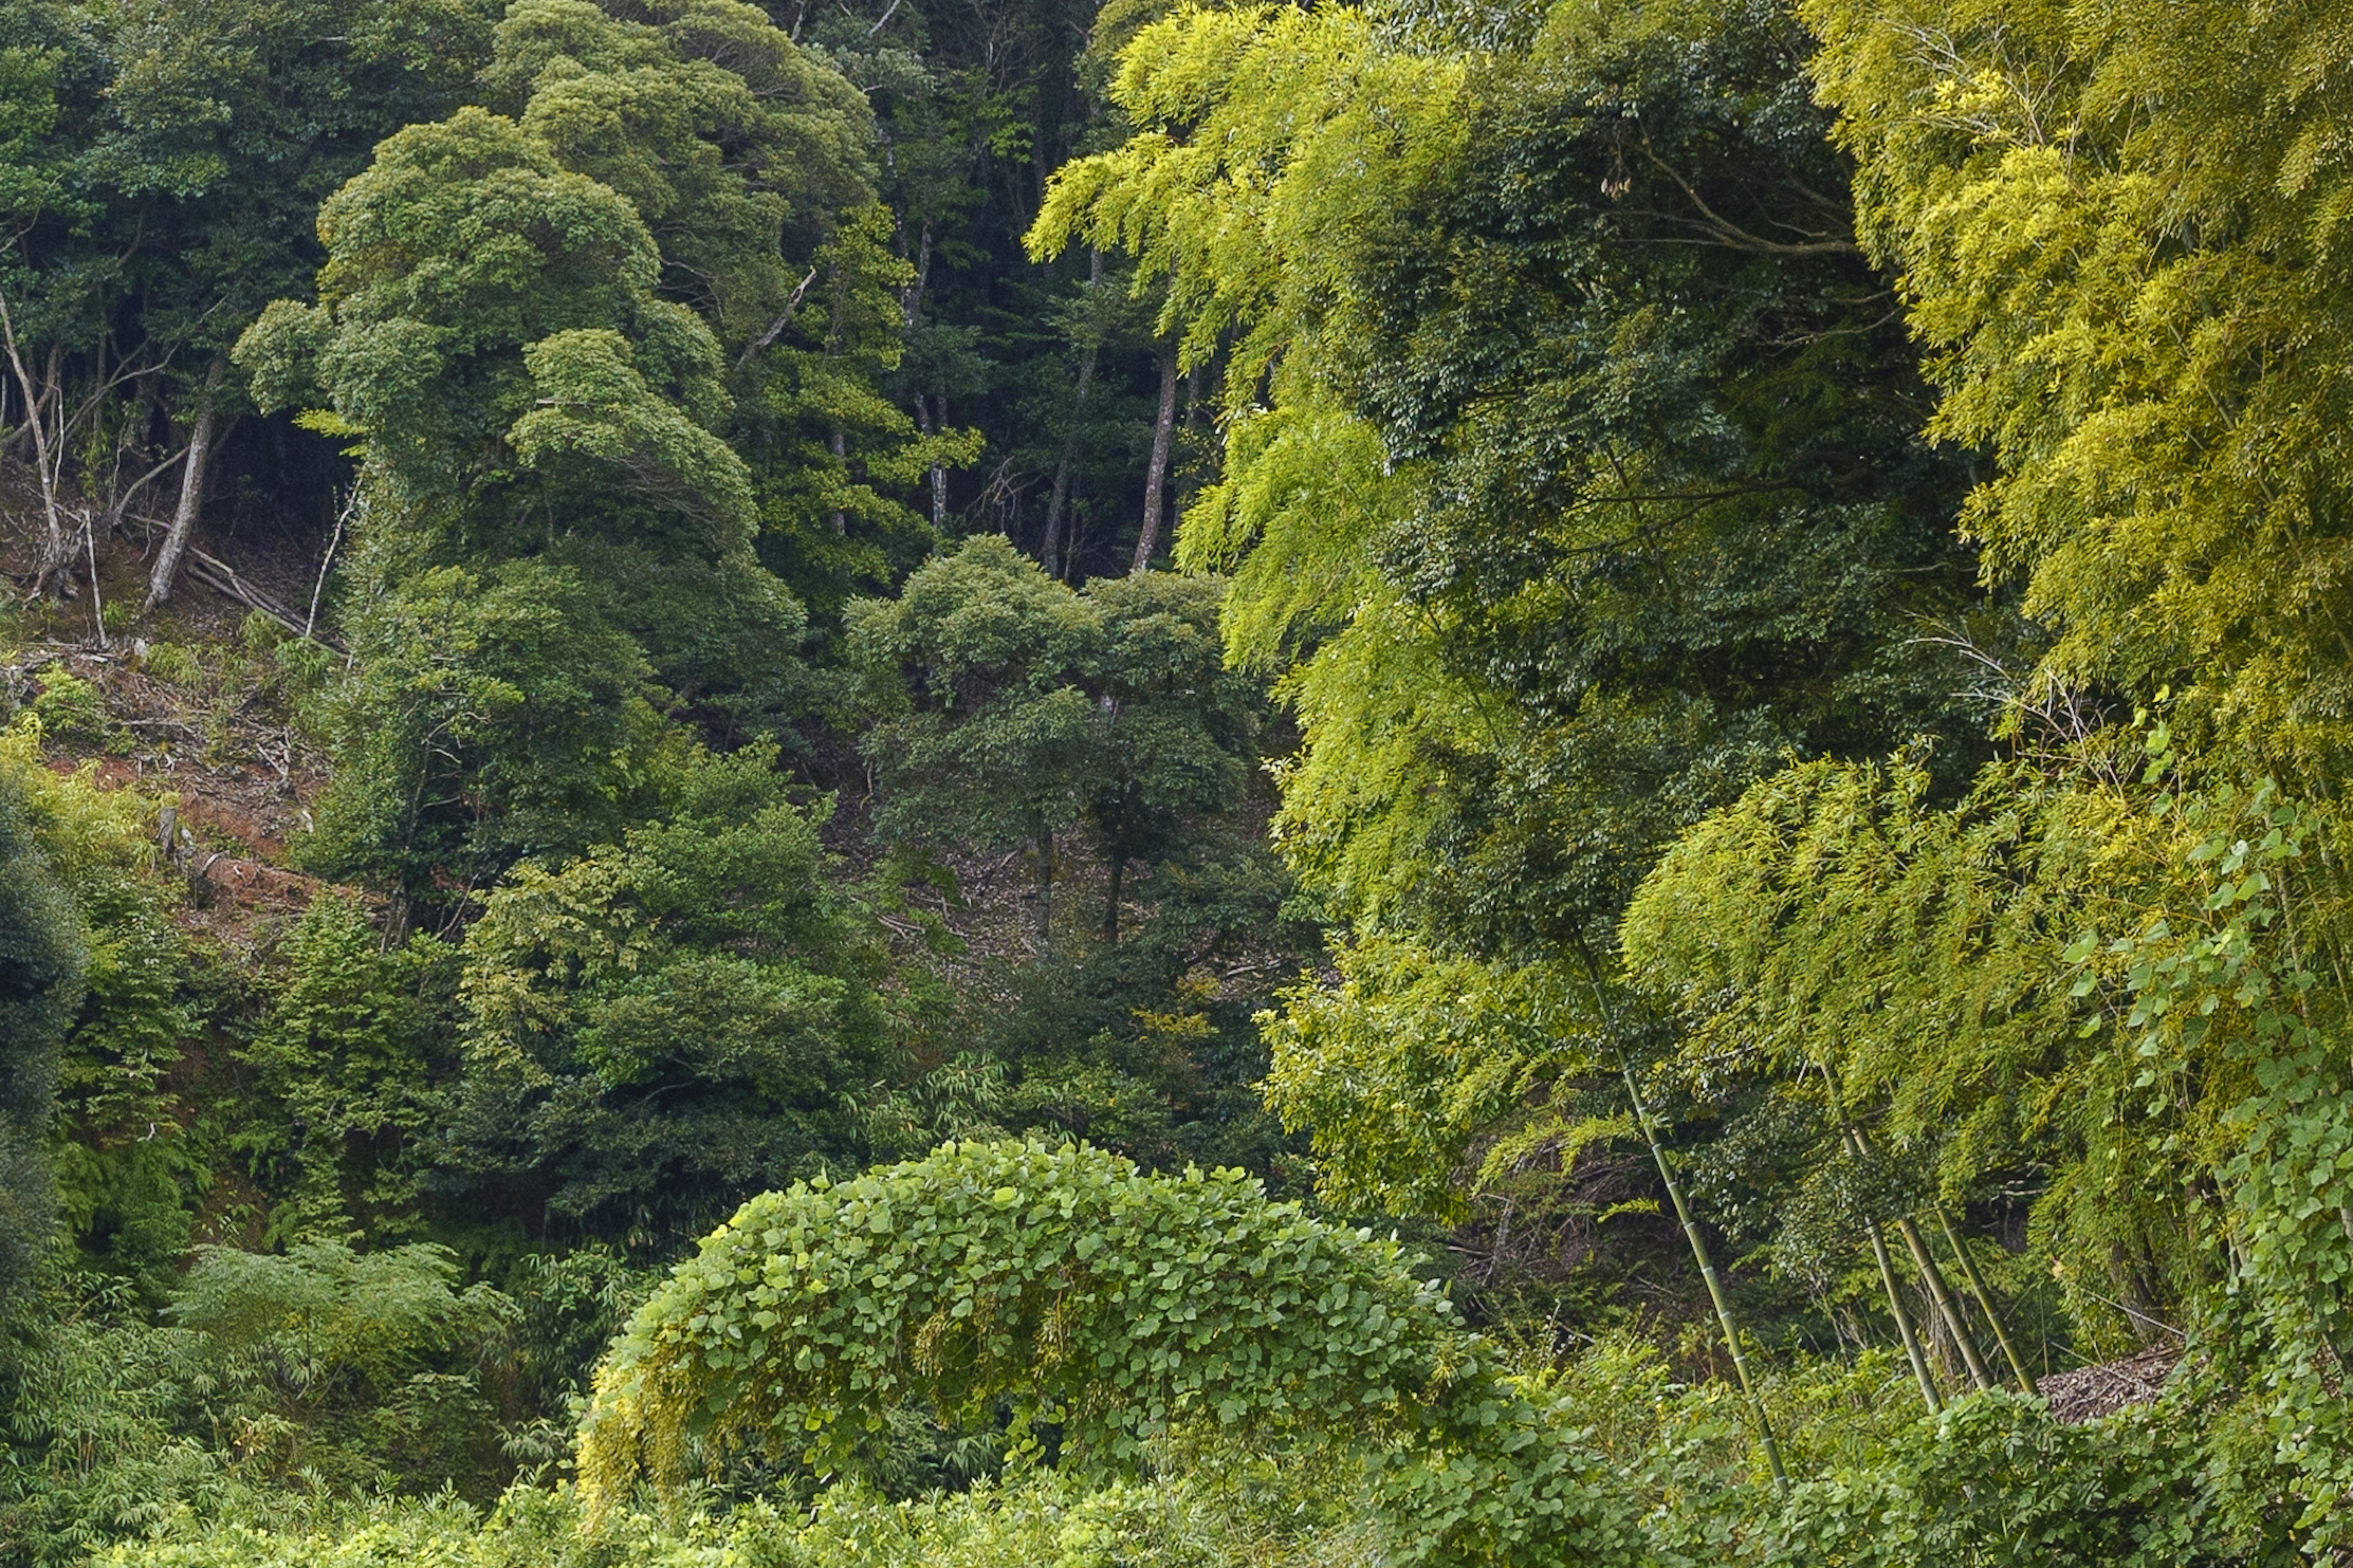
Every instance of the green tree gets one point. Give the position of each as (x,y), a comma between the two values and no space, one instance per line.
(668,1022)
(2119,240)
(40,984)
(165,167)
(1022,711)
(348,1051)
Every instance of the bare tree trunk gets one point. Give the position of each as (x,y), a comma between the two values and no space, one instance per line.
(59,550)
(1046,866)
(1163,428)
(939,474)
(192,488)
(1110,909)
(925,420)
(1050,550)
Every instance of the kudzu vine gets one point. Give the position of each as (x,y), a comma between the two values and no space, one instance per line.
(1116,1305)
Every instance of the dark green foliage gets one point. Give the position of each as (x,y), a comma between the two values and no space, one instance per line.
(348,1052)
(41,960)
(668,1022)
(1018,710)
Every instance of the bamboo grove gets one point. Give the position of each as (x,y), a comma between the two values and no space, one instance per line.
(1436,782)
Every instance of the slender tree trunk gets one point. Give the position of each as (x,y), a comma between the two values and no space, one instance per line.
(1163,428)
(1942,1294)
(939,474)
(58,550)
(1903,1316)
(1707,1272)
(1045,893)
(192,488)
(1110,910)
(1050,549)
(1985,1301)
(925,420)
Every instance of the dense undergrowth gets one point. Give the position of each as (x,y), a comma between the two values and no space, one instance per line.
(1136,785)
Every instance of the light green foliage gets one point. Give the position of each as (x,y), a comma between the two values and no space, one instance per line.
(2123,245)
(100,1437)
(347,1362)
(1115,1305)
(1038,709)
(668,1023)
(131,1157)
(1412,1064)
(1271,1519)
(346,1051)
(66,707)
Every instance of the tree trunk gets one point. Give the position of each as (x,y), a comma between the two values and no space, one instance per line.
(913,304)
(1163,428)
(1110,909)
(58,550)
(192,488)
(1050,548)
(1045,893)
(939,474)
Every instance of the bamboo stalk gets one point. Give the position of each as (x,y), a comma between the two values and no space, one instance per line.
(1707,1272)
(1941,1294)
(1985,1299)
(1903,1316)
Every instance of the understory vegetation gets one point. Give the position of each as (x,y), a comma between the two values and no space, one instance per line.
(1440,782)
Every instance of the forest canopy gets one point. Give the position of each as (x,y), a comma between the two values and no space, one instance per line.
(1174,784)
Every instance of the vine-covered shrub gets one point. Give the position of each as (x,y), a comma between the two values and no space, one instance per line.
(1113,1304)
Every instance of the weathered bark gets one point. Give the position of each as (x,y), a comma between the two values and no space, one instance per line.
(1050,548)
(192,487)
(1164,428)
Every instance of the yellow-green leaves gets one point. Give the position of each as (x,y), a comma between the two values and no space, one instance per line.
(2123,251)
